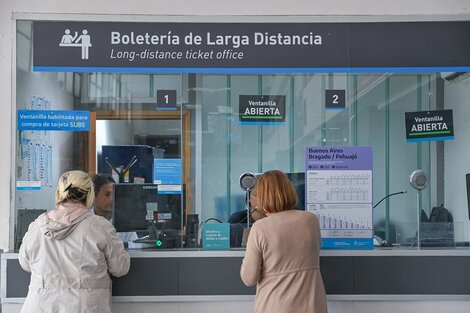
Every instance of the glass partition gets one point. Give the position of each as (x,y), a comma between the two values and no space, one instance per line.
(204,133)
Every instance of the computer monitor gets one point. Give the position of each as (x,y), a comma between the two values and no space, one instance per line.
(138,206)
(298,179)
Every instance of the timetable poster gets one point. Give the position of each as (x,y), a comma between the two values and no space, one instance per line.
(339,192)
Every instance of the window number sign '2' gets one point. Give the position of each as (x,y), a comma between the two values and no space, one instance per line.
(166,99)
(335,99)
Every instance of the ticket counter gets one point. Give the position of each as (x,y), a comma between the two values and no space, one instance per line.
(179,277)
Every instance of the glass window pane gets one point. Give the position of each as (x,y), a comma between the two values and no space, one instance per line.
(205,134)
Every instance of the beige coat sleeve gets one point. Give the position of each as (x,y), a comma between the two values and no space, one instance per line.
(24,257)
(250,271)
(117,258)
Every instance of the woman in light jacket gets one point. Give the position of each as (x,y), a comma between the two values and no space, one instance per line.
(71,253)
(282,253)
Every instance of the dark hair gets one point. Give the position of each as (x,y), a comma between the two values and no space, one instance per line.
(99,180)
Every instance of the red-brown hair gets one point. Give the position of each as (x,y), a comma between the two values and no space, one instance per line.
(276,193)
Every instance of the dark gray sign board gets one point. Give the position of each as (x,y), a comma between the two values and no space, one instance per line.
(429,125)
(250,47)
(166,99)
(335,99)
(262,109)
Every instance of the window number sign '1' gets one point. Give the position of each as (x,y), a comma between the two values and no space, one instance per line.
(166,99)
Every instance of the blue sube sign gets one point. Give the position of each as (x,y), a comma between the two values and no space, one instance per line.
(53,120)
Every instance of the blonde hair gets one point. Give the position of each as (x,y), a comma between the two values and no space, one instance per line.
(75,186)
(276,193)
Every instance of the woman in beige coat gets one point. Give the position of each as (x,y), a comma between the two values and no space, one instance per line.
(282,253)
(71,252)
